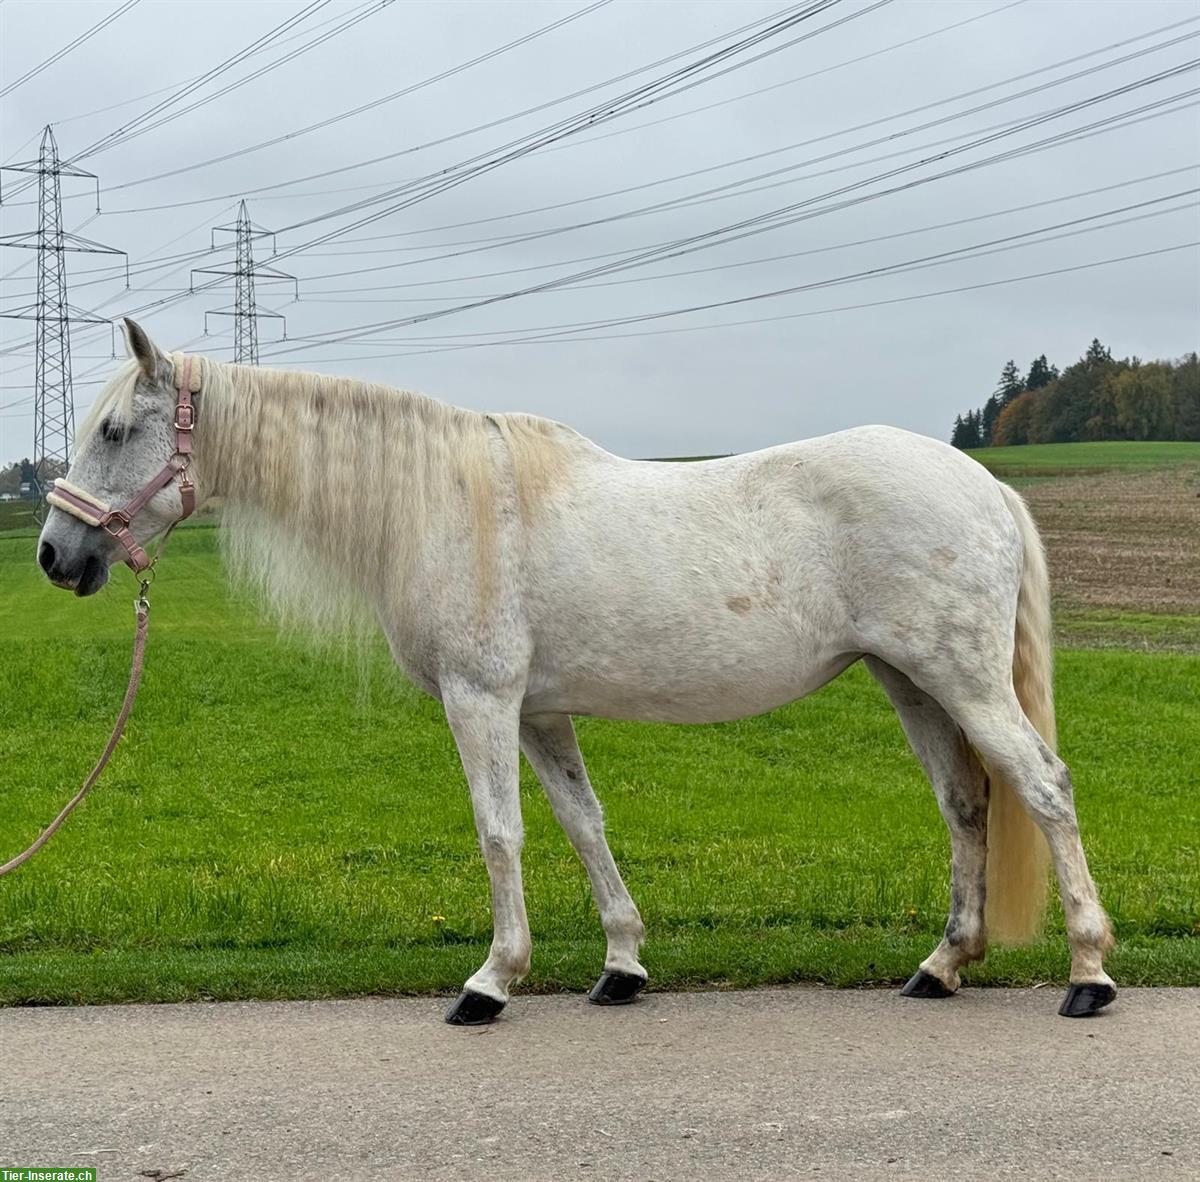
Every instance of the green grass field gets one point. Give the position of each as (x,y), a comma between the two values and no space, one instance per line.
(17,515)
(1055,459)
(283,824)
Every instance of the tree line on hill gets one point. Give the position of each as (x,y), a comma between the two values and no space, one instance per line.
(1098,397)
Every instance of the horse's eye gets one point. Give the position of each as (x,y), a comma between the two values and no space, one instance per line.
(114,432)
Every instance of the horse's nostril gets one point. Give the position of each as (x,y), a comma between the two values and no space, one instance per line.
(46,556)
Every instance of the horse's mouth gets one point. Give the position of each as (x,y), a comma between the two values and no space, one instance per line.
(93,576)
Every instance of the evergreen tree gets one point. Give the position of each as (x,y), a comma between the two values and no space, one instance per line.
(1041,373)
(1011,383)
(991,412)
(1097,353)
(958,436)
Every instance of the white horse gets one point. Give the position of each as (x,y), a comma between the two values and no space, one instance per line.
(522,575)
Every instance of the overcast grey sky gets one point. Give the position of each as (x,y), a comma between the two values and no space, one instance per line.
(715,387)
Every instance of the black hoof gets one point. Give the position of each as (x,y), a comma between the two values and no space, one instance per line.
(923,984)
(473,1009)
(1082,1000)
(616,989)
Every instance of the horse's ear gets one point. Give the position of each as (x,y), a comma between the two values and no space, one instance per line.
(141,348)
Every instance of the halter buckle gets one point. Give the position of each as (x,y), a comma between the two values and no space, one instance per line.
(121,518)
(185,411)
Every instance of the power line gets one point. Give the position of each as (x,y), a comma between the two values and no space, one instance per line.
(54,57)
(482,127)
(92,112)
(348,23)
(826,249)
(830,69)
(697,73)
(379,102)
(795,211)
(814,7)
(521,114)
(1035,237)
(789,315)
(305,246)
(849,130)
(705,195)
(125,130)
(1115,123)
(589,139)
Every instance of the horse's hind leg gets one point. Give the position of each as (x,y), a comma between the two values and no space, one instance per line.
(1010,747)
(960,785)
(549,743)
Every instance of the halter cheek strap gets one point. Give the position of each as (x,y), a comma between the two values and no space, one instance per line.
(116,522)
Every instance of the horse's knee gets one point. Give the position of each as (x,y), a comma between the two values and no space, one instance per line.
(501,846)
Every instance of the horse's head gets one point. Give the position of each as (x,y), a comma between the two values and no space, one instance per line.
(127,438)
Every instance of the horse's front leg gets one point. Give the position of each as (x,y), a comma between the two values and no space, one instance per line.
(485,727)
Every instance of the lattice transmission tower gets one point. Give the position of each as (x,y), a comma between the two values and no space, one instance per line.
(245,311)
(53,395)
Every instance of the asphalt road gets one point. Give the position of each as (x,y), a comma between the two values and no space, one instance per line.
(772,1085)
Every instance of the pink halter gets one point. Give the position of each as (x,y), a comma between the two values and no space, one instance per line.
(116,522)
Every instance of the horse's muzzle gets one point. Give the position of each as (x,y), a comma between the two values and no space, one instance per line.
(84,576)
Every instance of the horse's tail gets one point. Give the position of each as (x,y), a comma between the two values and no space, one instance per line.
(1017,854)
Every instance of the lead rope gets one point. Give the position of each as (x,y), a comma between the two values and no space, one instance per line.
(141,607)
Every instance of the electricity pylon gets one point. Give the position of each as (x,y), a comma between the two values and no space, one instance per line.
(245,312)
(53,395)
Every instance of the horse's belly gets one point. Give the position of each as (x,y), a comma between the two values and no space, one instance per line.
(690,676)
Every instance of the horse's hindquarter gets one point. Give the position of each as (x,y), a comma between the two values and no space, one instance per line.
(928,554)
(683,592)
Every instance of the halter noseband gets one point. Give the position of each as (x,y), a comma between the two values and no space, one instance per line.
(116,522)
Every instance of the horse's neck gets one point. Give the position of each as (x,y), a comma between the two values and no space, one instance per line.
(277,440)
(369,480)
